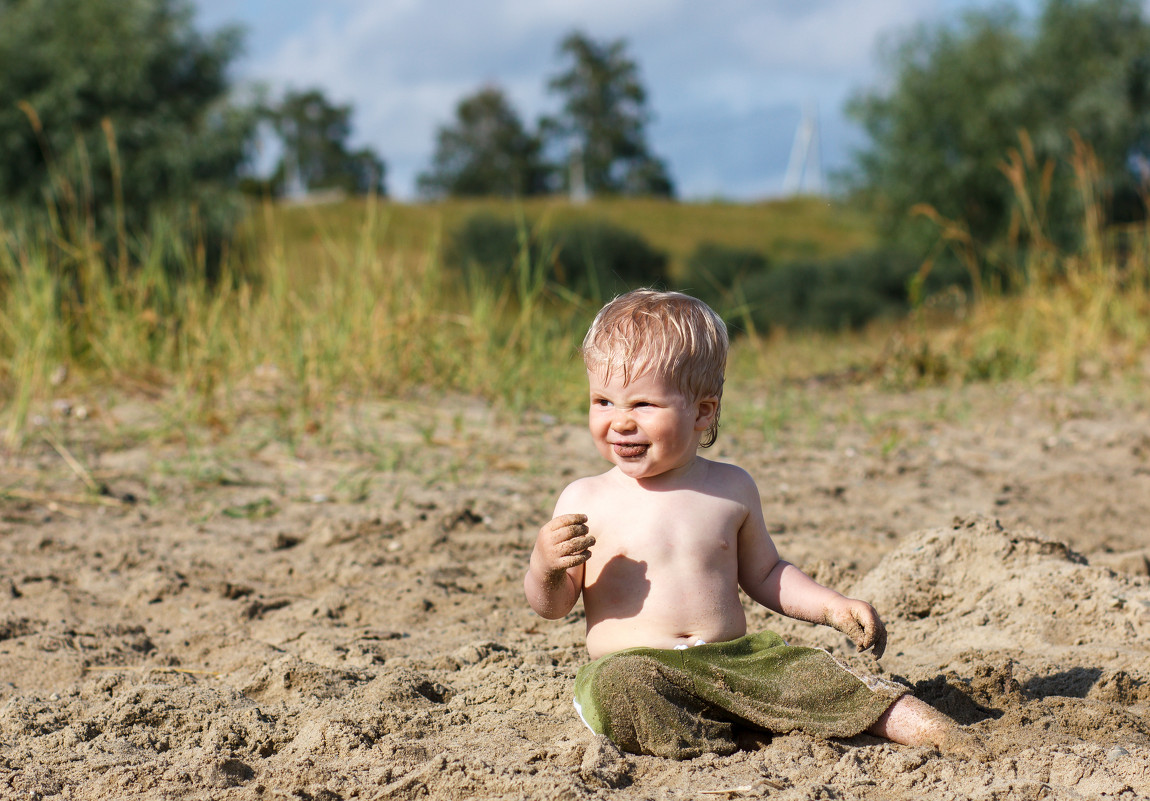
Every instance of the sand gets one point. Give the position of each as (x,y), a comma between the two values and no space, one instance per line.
(247,616)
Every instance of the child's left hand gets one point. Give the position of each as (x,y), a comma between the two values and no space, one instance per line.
(859,621)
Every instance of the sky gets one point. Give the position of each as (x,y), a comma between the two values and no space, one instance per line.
(728,81)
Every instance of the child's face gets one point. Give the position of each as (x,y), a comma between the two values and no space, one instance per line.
(646,428)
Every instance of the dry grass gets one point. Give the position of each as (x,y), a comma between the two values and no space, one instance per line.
(328,303)
(325,304)
(1066,316)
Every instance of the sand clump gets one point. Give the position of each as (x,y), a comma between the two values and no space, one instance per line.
(259,624)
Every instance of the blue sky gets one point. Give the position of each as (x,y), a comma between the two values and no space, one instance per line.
(726,80)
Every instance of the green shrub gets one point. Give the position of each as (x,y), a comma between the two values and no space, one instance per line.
(485,242)
(842,293)
(597,259)
(781,297)
(590,258)
(715,273)
(485,250)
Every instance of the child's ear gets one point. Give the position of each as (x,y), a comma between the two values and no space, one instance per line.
(706,411)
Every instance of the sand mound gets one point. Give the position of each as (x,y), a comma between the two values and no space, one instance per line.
(1034,644)
(976,585)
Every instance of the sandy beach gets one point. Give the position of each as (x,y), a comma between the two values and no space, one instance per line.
(236,615)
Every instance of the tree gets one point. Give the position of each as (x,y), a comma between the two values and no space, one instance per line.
(112,110)
(486,152)
(314,133)
(964,96)
(604,117)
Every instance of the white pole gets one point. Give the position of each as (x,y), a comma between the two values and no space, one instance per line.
(804,168)
(579,193)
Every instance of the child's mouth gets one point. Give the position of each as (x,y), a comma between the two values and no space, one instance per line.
(629,450)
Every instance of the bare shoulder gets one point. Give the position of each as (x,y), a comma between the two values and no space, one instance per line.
(580,494)
(735,480)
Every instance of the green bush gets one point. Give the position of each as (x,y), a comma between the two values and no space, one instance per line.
(598,260)
(485,244)
(591,258)
(847,292)
(715,273)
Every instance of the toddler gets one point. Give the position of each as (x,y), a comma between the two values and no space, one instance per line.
(659,546)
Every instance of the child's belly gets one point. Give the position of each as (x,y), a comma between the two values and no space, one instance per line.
(678,613)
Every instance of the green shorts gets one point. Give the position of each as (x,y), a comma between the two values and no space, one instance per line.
(683,703)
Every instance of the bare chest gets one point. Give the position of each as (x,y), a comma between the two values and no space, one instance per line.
(672,530)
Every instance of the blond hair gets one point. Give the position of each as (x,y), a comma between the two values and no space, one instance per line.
(673,336)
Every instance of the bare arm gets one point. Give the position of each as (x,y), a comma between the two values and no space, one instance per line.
(791,592)
(783,588)
(555,577)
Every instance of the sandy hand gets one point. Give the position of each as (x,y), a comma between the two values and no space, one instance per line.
(859,621)
(564,543)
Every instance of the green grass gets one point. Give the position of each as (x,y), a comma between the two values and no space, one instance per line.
(785,229)
(318,306)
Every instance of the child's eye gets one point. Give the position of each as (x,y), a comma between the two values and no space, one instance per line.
(600,402)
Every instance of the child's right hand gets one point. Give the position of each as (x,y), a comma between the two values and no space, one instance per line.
(564,543)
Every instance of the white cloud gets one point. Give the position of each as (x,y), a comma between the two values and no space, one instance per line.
(405,64)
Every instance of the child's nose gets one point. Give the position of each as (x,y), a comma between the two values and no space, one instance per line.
(622,421)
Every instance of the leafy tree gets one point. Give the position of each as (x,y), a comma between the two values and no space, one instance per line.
(1090,64)
(964,96)
(112,110)
(605,115)
(314,133)
(486,151)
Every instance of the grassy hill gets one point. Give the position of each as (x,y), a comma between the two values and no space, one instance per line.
(782,229)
